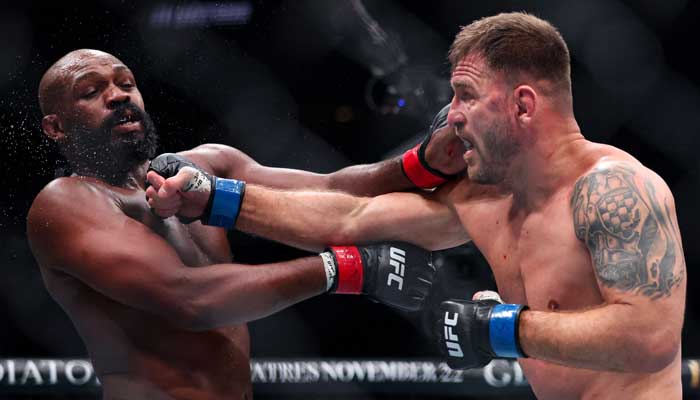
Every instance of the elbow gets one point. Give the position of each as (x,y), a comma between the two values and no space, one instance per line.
(190,316)
(214,148)
(352,227)
(663,350)
(187,308)
(198,309)
(655,351)
(332,182)
(347,233)
(199,317)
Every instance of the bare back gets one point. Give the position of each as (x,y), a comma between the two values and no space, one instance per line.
(538,260)
(136,353)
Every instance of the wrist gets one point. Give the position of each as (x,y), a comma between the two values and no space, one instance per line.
(331,269)
(349,270)
(504,327)
(224,203)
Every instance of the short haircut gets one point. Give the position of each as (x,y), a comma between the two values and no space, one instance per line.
(516,43)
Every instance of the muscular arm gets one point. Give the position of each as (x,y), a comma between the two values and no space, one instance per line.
(361,180)
(314,219)
(625,215)
(78,230)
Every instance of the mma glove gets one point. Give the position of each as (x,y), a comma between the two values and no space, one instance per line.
(396,274)
(414,162)
(472,333)
(225,195)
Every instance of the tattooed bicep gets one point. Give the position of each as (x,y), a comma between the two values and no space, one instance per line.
(629,230)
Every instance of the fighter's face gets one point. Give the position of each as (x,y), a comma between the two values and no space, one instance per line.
(479,115)
(105,123)
(95,87)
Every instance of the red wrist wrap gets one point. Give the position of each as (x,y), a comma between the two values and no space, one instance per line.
(416,172)
(350,271)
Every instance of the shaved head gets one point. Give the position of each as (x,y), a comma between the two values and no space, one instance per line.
(56,79)
(95,113)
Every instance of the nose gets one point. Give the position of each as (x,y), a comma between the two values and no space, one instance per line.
(116,96)
(455,118)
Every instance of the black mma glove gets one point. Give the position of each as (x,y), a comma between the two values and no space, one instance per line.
(225,195)
(396,274)
(414,162)
(471,333)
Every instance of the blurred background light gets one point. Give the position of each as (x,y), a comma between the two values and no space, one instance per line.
(201,14)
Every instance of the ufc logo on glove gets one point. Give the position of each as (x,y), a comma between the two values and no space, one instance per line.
(451,339)
(398,261)
(382,271)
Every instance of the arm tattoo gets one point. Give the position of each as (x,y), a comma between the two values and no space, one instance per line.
(629,234)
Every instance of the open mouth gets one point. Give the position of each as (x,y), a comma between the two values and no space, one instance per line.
(467,144)
(127,118)
(128,122)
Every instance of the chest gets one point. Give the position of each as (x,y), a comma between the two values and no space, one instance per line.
(197,245)
(535,257)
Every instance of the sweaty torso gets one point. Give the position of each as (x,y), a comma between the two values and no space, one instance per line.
(537,260)
(139,355)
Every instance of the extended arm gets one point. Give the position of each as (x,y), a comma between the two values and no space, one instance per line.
(306,219)
(625,215)
(74,229)
(313,220)
(437,158)
(362,180)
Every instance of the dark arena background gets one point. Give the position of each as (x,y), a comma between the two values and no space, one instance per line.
(320,85)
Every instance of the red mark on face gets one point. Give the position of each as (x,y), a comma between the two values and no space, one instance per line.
(553,305)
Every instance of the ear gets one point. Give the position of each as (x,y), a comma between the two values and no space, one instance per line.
(526,102)
(53,128)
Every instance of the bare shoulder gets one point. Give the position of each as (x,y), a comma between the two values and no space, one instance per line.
(618,166)
(625,214)
(72,192)
(606,160)
(62,206)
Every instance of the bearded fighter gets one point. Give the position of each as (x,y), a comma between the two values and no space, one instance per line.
(582,238)
(159,304)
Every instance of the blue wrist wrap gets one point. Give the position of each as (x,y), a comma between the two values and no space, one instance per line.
(228,194)
(503,330)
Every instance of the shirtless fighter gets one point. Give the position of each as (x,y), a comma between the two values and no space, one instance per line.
(583,239)
(154,326)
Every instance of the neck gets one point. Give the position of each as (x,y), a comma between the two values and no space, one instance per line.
(133,178)
(548,163)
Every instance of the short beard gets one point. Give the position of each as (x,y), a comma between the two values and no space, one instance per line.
(94,151)
(500,146)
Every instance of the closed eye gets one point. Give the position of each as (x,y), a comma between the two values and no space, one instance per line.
(89,94)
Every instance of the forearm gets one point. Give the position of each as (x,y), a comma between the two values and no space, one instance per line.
(614,337)
(439,157)
(370,179)
(308,220)
(232,294)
